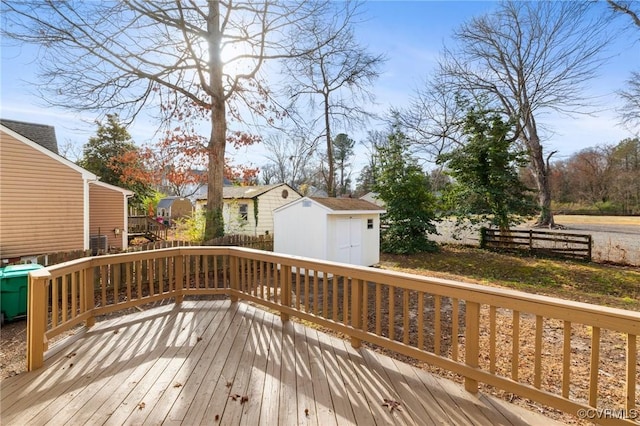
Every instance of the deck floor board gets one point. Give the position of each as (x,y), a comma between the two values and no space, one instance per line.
(217,362)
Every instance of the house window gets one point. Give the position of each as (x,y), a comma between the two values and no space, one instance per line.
(369,223)
(244,211)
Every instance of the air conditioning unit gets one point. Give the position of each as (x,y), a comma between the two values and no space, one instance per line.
(98,244)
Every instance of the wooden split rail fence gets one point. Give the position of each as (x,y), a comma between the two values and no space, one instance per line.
(555,244)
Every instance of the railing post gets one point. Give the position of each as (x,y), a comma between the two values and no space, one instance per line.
(472,343)
(285,289)
(234,281)
(179,277)
(89,295)
(356,310)
(37,320)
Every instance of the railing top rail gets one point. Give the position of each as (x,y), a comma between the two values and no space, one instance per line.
(589,314)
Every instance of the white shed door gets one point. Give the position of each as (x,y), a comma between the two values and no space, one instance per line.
(349,240)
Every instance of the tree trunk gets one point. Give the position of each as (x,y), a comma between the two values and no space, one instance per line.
(214,224)
(330,179)
(541,175)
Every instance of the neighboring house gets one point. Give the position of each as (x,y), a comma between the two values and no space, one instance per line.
(49,204)
(248,210)
(171,208)
(373,197)
(343,230)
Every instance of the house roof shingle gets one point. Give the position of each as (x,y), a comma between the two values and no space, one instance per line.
(235,192)
(341,204)
(41,134)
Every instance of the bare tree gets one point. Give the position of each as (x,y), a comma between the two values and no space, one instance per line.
(433,120)
(627,7)
(631,109)
(119,56)
(631,95)
(530,58)
(289,158)
(336,75)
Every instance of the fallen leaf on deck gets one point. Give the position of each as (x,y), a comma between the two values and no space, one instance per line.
(392,405)
(141,405)
(177,385)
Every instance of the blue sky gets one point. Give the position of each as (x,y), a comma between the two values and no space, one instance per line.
(411,34)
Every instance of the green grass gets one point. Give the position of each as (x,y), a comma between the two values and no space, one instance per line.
(607,285)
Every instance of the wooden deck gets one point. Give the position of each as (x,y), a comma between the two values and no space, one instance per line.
(214,362)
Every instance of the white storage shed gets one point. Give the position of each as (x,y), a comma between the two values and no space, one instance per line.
(343,230)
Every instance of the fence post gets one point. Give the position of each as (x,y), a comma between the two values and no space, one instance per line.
(483,237)
(356,310)
(285,289)
(37,319)
(590,247)
(89,294)
(530,241)
(471,343)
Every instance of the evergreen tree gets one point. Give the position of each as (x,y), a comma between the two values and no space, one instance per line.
(114,157)
(403,186)
(487,186)
(342,152)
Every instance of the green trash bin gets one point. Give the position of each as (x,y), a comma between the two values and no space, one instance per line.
(14,286)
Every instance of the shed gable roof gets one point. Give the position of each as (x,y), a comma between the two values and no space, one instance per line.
(41,134)
(346,204)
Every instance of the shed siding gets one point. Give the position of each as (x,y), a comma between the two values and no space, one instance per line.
(301,231)
(41,202)
(107,209)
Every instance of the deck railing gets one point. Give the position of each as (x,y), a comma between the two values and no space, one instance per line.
(478,332)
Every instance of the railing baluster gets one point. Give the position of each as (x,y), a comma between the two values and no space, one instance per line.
(405,316)
(595,364)
(334,293)
(566,359)
(630,394)
(116,281)
(298,288)
(365,305)
(515,350)
(392,313)
(74,294)
(129,267)
(437,324)
(345,300)
(378,309)
(537,368)
(306,290)
(492,339)
(356,309)
(420,327)
(54,302)
(325,295)
(455,314)
(103,284)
